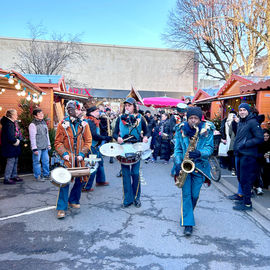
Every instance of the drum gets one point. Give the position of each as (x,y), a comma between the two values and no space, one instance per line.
(111,149)
(140,146)
(60,177)
(92,163)
(146,154)
(129,155)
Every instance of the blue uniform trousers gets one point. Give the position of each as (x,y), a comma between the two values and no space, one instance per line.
(132,190)
(74,197)
(99,173)
(190,196)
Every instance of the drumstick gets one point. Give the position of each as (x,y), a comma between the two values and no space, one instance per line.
(127,138)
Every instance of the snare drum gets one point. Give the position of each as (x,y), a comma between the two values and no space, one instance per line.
(129,156)
(60,177)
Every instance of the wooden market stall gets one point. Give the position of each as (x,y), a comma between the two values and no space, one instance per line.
(203,99)
(56,95)
(13,87)
(262,91)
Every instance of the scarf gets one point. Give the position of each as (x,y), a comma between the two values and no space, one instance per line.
(94,119)
(190,131)
(129,119)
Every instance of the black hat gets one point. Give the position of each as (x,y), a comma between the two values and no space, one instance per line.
(91,109)
(130,100)
(107,109)
(147,111)
(194,111)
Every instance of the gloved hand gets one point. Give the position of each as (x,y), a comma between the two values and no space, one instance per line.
(177,169)
(108,138)
(194,154)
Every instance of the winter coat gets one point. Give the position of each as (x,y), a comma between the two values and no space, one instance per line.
(248,137)
(9,136)
(162,146)
(205,145)
(64,142)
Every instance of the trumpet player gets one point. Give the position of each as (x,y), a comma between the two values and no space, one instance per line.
(72,142)
(198,154)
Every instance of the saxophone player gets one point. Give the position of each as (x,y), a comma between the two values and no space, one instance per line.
(199,153)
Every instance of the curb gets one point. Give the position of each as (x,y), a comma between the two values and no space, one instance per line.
(261,215)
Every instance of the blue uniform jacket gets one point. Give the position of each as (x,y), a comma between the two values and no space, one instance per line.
(205,145)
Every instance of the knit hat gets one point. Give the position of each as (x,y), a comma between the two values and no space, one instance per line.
(91,109)
(194,111)
(147,111)
(245,106)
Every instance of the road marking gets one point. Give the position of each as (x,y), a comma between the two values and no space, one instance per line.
(28,213)
(268,209)
(228,175)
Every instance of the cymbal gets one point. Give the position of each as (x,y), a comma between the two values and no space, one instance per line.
(111,149)
(140,146)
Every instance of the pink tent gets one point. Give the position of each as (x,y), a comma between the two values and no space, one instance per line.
(161,102)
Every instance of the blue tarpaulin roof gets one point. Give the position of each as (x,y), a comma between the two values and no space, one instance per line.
(211,91)
(43,78)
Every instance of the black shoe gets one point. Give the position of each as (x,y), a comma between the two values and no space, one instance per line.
(9,182)
(126,205)
(137,203)
(111,160)
(17,179)
(235,197)
(239,202)
(243,207)
(188,230)
(119,174)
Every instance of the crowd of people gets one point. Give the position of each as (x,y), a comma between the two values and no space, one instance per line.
(183,134)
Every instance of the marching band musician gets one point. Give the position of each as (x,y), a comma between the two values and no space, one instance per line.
(128,129)
(72,142)
(203,149)
(93,121)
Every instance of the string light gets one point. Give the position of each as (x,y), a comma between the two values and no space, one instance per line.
(28,98)
(18,85)
(3,90)
(10,78)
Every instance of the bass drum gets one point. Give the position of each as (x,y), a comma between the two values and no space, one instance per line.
(60,177)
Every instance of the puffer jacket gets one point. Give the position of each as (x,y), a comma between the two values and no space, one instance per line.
(205,144)
(8,138)
(248,137)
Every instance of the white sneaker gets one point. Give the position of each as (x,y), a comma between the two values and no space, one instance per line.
(40,179)
(259,191)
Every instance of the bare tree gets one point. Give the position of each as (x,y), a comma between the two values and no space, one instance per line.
(223,44)
(48,57)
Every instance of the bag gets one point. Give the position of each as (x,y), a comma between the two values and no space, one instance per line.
(223,150)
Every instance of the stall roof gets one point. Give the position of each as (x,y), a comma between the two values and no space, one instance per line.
(121,94)
(17,76)
(261,85)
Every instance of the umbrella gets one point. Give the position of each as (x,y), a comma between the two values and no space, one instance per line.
(161,102)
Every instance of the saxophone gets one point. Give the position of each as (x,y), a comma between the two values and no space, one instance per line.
(187,166)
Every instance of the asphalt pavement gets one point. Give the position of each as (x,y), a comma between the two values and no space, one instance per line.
(102,235)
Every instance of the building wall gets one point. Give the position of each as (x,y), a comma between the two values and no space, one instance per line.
(119,67)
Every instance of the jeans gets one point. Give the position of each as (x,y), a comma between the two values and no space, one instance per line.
(42,156)
(247,172)
(11,168)
(99,173)
(132,190)
(74,197)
